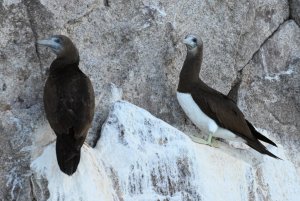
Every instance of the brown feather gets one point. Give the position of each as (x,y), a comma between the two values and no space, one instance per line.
(69,105)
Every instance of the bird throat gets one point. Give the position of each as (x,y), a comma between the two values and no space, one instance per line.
(61,64)
(191,69)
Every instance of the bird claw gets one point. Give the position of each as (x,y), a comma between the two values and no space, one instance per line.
(214,143)
(210,142)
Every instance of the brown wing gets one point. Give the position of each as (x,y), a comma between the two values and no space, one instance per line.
(69,103)
(222,109)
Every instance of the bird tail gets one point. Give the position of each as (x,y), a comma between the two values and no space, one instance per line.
(68,153)
(258,146)
(259,135)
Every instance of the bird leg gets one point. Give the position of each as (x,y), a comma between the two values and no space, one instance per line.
(210,141)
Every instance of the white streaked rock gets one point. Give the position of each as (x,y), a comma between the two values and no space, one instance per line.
(140,157)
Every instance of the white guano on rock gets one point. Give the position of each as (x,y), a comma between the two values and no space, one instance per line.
(140,157)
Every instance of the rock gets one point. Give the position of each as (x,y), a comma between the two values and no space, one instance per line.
(20,100)
(137,46)
(89,182)
(295,10)
(271,85)
(109,94)
(156,161)
(140,157)
(114,44)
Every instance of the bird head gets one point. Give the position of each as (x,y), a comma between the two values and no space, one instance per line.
(193,42)
(62,46)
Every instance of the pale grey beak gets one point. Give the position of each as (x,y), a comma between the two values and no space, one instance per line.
(186,41)
(56,47)
(189,43)
(47,42)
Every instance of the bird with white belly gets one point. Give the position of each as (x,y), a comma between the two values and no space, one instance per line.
(211,111)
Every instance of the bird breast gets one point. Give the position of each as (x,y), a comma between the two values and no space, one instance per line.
(202,121)
(195,114)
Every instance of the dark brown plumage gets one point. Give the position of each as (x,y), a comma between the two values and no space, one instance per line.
(217,106)
(68,101)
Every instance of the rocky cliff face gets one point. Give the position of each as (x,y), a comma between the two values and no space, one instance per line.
(140,157)
(137,46)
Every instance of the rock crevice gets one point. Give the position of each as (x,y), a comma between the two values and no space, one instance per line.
(31,19)
(233,93)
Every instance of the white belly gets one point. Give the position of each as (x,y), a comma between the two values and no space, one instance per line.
(201,120)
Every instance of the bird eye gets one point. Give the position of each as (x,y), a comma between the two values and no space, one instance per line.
(194,40)
(57,40)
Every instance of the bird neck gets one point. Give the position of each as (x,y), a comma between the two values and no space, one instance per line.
(64,63)
(191,68)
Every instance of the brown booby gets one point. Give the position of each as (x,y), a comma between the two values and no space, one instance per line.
(213,112)
(69,102)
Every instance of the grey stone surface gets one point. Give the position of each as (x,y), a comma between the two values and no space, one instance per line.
(20,102)
(295,10)
(271,84)
(109,94)
(137,46)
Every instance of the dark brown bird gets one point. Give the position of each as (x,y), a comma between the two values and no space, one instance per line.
(213,112)
(69,102)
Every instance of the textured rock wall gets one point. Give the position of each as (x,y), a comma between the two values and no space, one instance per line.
(271,84)
(137,46)
(140,157)
(295,10)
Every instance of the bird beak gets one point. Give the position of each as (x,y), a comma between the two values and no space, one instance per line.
(47,42)
(186,41)
(50,42)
